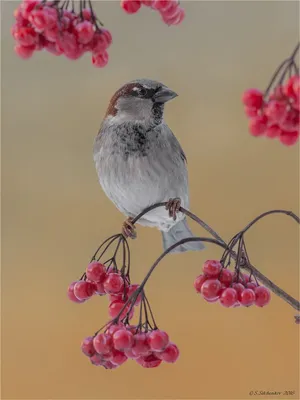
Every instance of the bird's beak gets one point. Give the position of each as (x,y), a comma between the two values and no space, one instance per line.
(164,94)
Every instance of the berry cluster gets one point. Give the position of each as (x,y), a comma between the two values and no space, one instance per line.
(169,10)
(101,280)
(48,25)
(277,117)
(120,341)
(231,289)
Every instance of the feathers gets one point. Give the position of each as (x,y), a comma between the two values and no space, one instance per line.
(178,232)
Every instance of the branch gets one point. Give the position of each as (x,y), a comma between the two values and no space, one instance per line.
(244,262)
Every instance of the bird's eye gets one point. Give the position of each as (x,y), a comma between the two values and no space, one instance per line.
(142,92)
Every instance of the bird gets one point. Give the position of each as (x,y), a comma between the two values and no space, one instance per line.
(139,162)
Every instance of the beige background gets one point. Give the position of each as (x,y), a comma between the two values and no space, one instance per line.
(55,214)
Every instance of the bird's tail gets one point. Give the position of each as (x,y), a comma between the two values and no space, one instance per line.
(180,231)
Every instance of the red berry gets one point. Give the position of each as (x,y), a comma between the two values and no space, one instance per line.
(85,31)
(87,346)
(71,294)
(238,287)
(86,13)
(96,272)
(53,48)
(290,86)
(258,125)
(100,60)
(251,285)
(109,365)
(290,122)
(150,361)
(211,289)
(103,343)
(107,35)
(262,296)
(115,308)
(158,340)
(40,19)
(226,276)
(97,360)
(84,290)
(247,297)
(275,110)
(113,283)
(228,297)
(26,36)
(278,93)
(131,6)
(129,354)
(122,339)
(273,131)
(174,18)
(199,282)
(170,354)
(253,98)
(251,111)
(118,357)
(24,52)
(289,138)
(212,268)
(114,328)
(27,6)
(140,345)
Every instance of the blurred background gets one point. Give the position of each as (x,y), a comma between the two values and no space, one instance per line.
(54,213)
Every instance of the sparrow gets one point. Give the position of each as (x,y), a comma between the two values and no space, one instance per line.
(140,162)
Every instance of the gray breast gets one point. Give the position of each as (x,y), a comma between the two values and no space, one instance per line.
(139,169)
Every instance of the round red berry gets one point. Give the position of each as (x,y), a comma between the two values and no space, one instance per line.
(262,296)
(212,268)
(87,346)
(150,361)
(251,285)
(100,60)
(170,354)
(114,328)
(131,289)
(238,287)
(228,297)
(113,283)
(24,52)
(85,31)
(247,297)
(71,294)
(253,98)
(131,6)
(226,276)
(273,131)
(199,282)
(289,138)
(115,308)
(118,357)
(100,288)
(122,339)
(158,340)
(140,345)
(251,112)
(211,289)
(84,290)
(103,343)
(258,125)
(290,122)
(97,360)
(96,272)
(275,110)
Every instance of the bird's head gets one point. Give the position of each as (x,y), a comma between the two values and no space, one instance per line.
(139,100)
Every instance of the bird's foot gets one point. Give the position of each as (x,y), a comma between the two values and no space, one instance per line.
(173,207)
(128,229)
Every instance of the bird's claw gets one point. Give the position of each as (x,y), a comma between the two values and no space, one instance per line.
(128,229)
(173,206)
